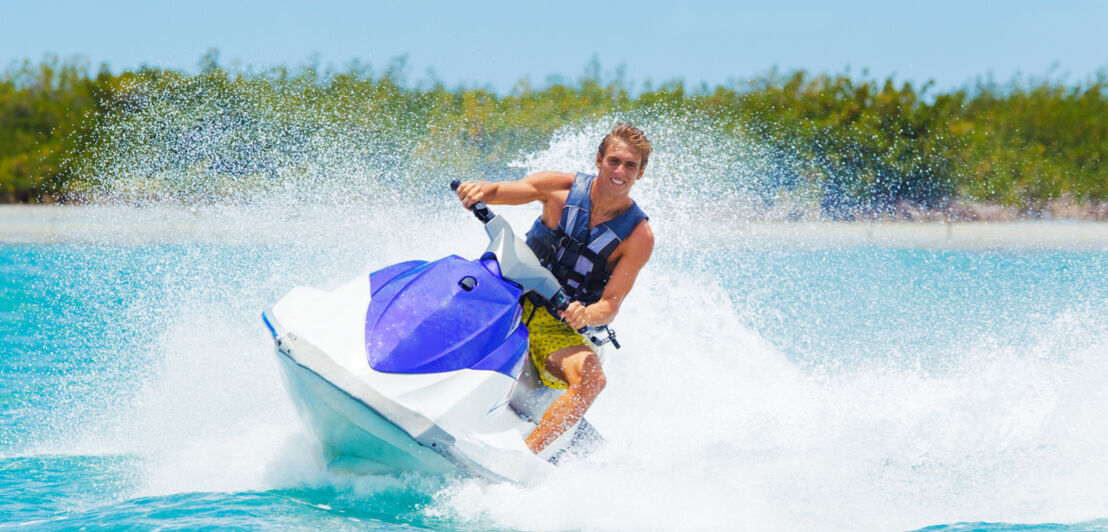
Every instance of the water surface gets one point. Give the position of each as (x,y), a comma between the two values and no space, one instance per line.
(786,386)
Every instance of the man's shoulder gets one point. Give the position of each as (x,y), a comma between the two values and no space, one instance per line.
(637,248)
(642,233)
(641,238)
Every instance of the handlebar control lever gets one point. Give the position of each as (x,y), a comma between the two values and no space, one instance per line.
(560,301)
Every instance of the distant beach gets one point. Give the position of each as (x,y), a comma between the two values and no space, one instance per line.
(37,224)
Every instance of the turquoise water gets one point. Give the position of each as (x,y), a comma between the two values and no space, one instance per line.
(760,387)
(767,381)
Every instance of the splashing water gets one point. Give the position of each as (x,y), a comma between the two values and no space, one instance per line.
(763,384)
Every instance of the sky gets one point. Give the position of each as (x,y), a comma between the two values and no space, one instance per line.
(497,44)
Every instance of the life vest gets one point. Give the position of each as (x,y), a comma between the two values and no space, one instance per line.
(576,255)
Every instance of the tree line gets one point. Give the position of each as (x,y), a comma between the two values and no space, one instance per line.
(862,146)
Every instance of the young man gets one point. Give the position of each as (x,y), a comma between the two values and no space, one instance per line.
(594,239)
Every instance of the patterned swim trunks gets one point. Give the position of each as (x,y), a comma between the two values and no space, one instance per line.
(547,335)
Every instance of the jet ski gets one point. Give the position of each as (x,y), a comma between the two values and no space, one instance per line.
(423,366)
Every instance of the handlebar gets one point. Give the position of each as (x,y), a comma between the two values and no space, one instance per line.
(480,210)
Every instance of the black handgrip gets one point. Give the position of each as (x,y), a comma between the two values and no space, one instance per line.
(557,303)
(560,301)
(480,210)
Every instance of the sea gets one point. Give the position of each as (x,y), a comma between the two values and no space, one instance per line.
(773,375)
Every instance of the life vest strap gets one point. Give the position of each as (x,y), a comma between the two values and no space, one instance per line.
(576,254)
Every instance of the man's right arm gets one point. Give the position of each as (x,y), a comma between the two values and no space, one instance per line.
(535,187)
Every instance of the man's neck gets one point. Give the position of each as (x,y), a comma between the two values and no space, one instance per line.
(604,206)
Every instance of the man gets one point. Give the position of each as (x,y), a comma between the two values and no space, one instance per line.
(594,239)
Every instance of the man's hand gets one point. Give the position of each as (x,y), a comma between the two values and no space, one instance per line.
(470,192)
(575,315)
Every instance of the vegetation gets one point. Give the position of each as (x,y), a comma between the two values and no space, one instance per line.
(865,147)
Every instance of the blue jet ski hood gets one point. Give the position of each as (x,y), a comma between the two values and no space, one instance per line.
(446,315)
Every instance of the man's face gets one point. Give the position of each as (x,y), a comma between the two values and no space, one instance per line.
(619,167)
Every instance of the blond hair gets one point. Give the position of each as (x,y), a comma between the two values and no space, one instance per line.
(631,135)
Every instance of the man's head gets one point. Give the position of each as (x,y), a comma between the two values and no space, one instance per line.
(633,136)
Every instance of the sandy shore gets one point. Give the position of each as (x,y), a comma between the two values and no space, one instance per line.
(937,235)
(89,224)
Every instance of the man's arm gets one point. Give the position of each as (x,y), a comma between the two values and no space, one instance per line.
(639,246)
(535,187)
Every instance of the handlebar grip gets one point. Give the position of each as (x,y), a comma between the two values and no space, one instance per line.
(561,302)
(480,210)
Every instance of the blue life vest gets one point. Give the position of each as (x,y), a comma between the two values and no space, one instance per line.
(577,256)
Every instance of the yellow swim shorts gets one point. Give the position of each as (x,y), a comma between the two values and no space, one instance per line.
(548,334)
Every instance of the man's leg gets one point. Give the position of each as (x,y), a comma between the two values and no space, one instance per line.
(580,368)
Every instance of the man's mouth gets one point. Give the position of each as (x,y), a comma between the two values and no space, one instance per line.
(618,182)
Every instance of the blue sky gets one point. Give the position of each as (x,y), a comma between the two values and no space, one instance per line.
(498,43)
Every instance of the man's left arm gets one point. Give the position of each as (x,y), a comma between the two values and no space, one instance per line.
(639,246)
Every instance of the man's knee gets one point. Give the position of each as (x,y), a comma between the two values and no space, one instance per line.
(593,380)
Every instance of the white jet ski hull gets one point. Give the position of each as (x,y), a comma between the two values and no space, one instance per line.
(354,437)
(368,422)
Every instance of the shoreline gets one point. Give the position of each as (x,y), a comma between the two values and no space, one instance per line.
(53,224)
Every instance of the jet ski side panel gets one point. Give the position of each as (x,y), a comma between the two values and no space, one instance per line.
(352,438)
(354,421)
(362,431)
